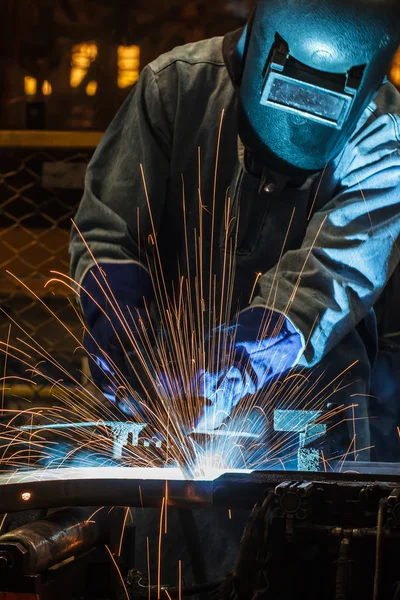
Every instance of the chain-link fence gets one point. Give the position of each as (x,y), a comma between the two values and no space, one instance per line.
(40,189)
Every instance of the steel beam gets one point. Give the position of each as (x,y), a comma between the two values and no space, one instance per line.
(124,486)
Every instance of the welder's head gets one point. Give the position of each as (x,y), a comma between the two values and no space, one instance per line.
(310,69)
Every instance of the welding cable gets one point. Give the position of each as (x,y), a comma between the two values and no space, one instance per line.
(174,592)
(250,576)
(379,544)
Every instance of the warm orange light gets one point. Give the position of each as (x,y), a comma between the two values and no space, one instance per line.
(91,88)
(46,88)
(128,65)
(127,78)
(394,74)
(30,86)
(26,496)
(81,61)
(82,57)
(131,64)
(89,49)
(77,76)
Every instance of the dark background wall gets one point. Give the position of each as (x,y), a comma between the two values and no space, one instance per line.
(40,39)
(40,42)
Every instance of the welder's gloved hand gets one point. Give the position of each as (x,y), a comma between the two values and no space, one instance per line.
(265,344)
(113,304)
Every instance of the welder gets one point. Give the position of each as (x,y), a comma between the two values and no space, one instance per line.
(310,125)
(294,115)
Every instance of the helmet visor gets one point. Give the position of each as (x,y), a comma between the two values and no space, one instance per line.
(309,100)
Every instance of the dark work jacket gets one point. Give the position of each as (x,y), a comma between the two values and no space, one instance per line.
(324,250)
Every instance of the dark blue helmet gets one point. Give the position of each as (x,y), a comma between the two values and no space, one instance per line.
(311,67)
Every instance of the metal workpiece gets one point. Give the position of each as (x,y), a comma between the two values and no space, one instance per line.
(125,486)
(303,423)
(140,434)
(120,431)
(100,486)
(34,547)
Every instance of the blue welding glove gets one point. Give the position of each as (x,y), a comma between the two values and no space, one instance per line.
(114,309)
(262,345)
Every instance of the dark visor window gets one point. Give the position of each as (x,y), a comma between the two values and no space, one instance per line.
(307,99)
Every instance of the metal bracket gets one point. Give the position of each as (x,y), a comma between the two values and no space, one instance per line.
(303,423)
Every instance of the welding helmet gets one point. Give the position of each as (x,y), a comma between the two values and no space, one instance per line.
(310,69)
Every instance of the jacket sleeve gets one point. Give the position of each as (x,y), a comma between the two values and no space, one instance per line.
(350,249)
(113,217)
